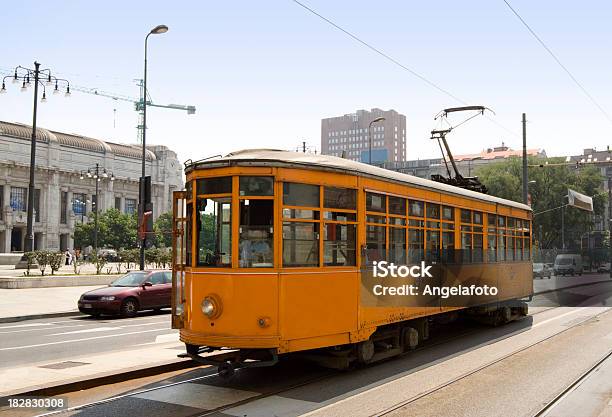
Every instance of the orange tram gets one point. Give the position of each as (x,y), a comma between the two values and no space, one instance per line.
(270,247)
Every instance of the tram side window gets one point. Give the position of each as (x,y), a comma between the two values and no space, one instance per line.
(339,227)
(301,226)
(256,234)
(300,244)
(376,243)
(214,232)
(303,195)
(491,237)
(256,186)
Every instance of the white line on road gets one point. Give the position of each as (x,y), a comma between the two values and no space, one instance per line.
(35,330)
(94,329)
(81,340)
(26,325)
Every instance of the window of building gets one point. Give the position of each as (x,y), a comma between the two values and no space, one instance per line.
(130,205)
(79,204)
(19,198)
(63,207)
(118,203)
(36,205)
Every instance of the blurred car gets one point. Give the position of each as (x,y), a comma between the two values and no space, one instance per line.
(133,292)
(568,264)
(109,254)
(605,267)
(541,271)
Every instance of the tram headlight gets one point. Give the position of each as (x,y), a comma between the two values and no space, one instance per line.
(208,307)
(211,306)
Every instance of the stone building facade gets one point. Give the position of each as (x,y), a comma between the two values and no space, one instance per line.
(64,194)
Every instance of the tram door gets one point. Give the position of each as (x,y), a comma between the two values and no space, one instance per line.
(179,256)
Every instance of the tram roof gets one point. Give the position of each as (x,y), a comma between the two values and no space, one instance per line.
(273,157)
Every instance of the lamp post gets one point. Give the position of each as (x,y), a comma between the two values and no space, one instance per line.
(157,30)
(42,77)
(378,119)
(94,173)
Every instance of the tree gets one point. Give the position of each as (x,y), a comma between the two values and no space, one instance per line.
(163,230)
(115,230)
(504,179)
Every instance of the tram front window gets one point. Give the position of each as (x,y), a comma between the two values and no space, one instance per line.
(214,232)
(256,232)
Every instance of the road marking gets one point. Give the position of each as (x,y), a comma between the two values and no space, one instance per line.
(35,330)
(165,338)
(557,317)
(26,325)
(95,329)
(81,340)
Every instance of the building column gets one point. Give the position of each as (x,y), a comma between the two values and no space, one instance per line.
(7,239)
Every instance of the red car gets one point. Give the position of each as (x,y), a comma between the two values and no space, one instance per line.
(135,291)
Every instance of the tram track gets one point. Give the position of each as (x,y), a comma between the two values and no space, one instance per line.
(439,341)
(465,375)
(557,399)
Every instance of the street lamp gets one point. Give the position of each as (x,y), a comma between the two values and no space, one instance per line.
(157,30)
(378,119)
(94,173)
(38,76)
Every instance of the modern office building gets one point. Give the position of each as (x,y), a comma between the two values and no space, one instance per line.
(64,193)
(348,136)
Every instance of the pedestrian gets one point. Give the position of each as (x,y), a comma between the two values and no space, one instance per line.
(68,257)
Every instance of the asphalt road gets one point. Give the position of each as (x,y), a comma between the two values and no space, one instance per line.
(60,339)
(467,369)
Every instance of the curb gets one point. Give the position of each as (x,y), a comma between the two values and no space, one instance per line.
(39,316)
(584,284)
(113,378)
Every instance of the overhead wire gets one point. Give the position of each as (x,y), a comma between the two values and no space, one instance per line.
(396,62)
(558,61)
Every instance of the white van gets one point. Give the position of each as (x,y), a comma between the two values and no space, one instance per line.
(568,264)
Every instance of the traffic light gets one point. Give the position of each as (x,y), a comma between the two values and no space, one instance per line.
(145,209)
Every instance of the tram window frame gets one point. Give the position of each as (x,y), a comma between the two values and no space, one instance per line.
(472,222)
(491,237)
(217,259)
(256,241)
(339,220)
(214,186)
(256,186)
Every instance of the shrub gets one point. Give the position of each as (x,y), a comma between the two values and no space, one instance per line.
(42,258)
(30,259)
(99,261)
(56,259)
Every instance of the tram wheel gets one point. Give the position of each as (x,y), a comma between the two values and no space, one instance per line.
(226,370)
(365,351)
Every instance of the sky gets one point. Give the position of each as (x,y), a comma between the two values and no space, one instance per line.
(264,74)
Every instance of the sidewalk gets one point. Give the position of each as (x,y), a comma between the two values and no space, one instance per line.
(94,370)
(32,303)
(9,271)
